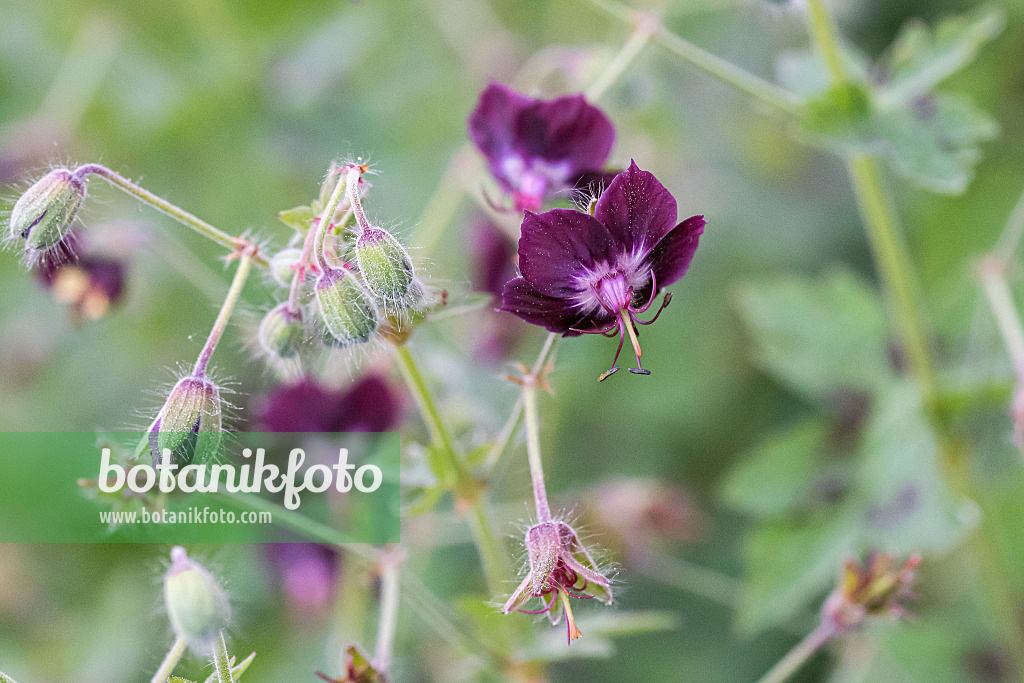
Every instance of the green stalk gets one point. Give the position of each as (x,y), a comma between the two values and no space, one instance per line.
(224,316)
(221,662)
(235,244)
(389,592)
(162,674)
(795,658)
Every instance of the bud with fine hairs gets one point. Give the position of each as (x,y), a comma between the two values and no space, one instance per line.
(281,332)
(44,213)
(347,311)
(189,424)
(197,606)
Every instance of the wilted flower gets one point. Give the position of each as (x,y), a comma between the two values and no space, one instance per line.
(560,567)
(189,424)
(369,406)
(536,148)
(197,606)
(874,589)
(585,274)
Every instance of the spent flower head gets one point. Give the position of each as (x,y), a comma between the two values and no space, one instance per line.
(537,148)
(584,274)
(876,588)
(560,567)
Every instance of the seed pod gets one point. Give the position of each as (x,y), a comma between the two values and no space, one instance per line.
(283,265)
(196,605)
(43,214)
(386,268)
(189,424)
(348,313)
(281,332)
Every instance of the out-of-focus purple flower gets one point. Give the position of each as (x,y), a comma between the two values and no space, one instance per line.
(584,274)
(368,406)
(492,256)
(560,566)
(536,148)
(90,284)
(307,573)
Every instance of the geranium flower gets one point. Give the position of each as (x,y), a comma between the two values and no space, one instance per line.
(560,567)
(584,274)
(536,148)
(370,405)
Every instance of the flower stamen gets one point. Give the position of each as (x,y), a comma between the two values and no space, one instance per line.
(664,302)
(570,623)
(627,324)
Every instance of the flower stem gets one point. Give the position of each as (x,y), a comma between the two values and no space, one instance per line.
(758,88)
(992,271)
(540,495)
(645,29)
(492,553)
(235,244)
(220,660)
(352,181)
(226,309)
(167,666)
(390,563)
(796,657)
(324,225)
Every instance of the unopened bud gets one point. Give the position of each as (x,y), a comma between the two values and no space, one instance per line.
(44,213)
(283,265)
(348,313)
(189,424)
(196,605)
(386,268)
(281,332)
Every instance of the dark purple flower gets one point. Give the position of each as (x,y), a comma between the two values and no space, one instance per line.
(87,282)
(584,274)
(368,406)
(536,148)
(307,572)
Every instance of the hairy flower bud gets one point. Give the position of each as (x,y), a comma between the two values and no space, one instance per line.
(283,265)
(189,424)
(386,268)
(196,605)
(281,332)
(44,213)
(348,313)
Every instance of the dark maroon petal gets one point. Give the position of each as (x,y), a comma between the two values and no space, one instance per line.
(493,257)
(369,406)
(301,407)
(565,130)
(672,256)
(558,246)
(637,209)
(520,298)
(492,125)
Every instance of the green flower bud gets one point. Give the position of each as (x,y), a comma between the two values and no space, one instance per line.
(281,332)
(348,313)
(44,213)
(386,268)
(283,265)
(189,424)
(196,605)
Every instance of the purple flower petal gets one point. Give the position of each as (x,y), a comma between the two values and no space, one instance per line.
(492,125)
(522,299)
(672,256)
(558,246)
(368,406)
(637,209)
(566,130)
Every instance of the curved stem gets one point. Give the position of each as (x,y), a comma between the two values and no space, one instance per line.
(226,309)
(796,657)
(162,205)
(221,662)
(324,225)
(352,180)
(163,674)
(645,29)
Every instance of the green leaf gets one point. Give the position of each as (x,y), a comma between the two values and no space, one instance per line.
(780,474)
(175,679)
(4,678)
(298,219)
(819,336)
(920,59)
(236,670)
(934,140)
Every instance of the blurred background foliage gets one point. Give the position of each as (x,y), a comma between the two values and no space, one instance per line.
(234,110)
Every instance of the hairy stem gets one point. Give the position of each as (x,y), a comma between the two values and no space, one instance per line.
(796,657)
(540,495)
(163,674)
(761,90)
(352,180)
(226,309)
(390,563)
(221,662)
(236,244)
(324,224)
